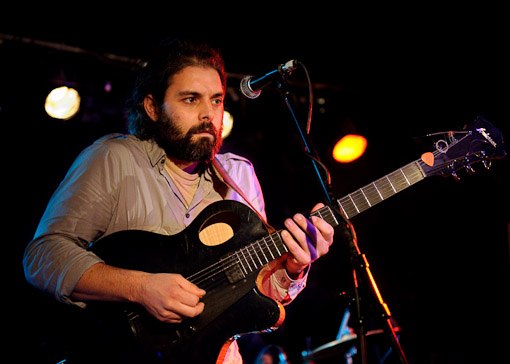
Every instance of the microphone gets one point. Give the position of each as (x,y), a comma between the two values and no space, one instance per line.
(252,86)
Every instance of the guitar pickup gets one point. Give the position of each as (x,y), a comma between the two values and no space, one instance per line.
(234,274)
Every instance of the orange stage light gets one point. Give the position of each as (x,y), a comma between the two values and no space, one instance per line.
(349,148)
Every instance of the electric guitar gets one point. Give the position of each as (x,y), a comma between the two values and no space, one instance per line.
(228,267)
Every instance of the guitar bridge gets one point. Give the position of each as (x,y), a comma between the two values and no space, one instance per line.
(234,274)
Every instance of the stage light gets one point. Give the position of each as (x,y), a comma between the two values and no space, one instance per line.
(349,148)
(62,103)
(228,124)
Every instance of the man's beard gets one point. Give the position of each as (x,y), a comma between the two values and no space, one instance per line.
(169,136)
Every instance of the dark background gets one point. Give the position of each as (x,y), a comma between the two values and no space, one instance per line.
(438,250)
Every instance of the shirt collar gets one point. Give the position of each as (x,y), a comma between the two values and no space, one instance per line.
(156,154)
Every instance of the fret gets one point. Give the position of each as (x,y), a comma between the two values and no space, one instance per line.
(279,242)
(327,215)
(343,210)
(268,248)
(256,254)
(403,174)
(249,266)
(378,192)
(276,251)
(414,172)
(318,213)
(332,218)
(384,187)
(360,201)
(391,184)
(372,194)
(262,251)
(347,207)
(369,204)
(241,262)
(354,204)
(397,181)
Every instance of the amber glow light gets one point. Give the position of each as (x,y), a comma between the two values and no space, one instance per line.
(349,148)
(62,103)
(228,124)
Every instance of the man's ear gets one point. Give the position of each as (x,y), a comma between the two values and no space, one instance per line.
(150,107)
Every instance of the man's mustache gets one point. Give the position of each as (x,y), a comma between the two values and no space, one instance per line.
(205,127)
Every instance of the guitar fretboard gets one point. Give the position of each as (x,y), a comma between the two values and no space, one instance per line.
(378,191)
(253,256)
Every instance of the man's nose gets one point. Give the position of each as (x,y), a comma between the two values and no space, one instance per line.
(207,111)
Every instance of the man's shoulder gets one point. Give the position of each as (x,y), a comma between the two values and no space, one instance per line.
(231,160)
(117,140)
(122,147)
(126,143)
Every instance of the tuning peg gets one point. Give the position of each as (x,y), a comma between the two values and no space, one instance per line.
(455,176)
(468,167)
(486,163)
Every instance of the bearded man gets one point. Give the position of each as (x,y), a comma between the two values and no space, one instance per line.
(158,179)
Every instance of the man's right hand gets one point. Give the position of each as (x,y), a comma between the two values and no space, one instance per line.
(168,297)
(171,297)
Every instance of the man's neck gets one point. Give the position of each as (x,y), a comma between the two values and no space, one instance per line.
(186,166)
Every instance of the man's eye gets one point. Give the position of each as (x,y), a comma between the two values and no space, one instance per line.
(190,99)
(217,101)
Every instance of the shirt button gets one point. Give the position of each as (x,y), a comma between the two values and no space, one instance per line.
(187,215)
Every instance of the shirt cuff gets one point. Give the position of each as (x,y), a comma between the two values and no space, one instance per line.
(293,286)
(277,284)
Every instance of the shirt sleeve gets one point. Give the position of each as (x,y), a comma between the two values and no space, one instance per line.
(77,214)
(276,283)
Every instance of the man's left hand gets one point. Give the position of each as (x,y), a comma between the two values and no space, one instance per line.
(307,240)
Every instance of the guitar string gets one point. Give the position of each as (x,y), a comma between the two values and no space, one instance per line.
(223,264)
(232,261)
(228,262)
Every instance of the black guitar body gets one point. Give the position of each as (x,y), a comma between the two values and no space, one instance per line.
(233,305)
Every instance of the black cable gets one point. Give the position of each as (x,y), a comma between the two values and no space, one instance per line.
(310,97)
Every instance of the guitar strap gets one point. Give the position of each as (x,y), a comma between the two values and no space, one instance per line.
(222,174)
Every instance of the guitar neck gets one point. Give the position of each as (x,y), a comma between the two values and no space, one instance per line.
(380,190)
(253,256)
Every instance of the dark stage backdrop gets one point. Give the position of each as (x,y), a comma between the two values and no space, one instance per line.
(438,250)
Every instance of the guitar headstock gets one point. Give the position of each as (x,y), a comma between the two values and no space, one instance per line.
(479,142)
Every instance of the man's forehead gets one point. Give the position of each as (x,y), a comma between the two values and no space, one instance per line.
(196,79)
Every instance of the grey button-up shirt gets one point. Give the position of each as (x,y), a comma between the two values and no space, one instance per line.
(120,183)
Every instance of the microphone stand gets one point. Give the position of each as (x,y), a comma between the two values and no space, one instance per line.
(360,267)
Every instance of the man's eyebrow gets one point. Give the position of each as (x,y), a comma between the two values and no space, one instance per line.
(186,93)
(196,93)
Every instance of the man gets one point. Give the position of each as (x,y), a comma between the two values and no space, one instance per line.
(157,179)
